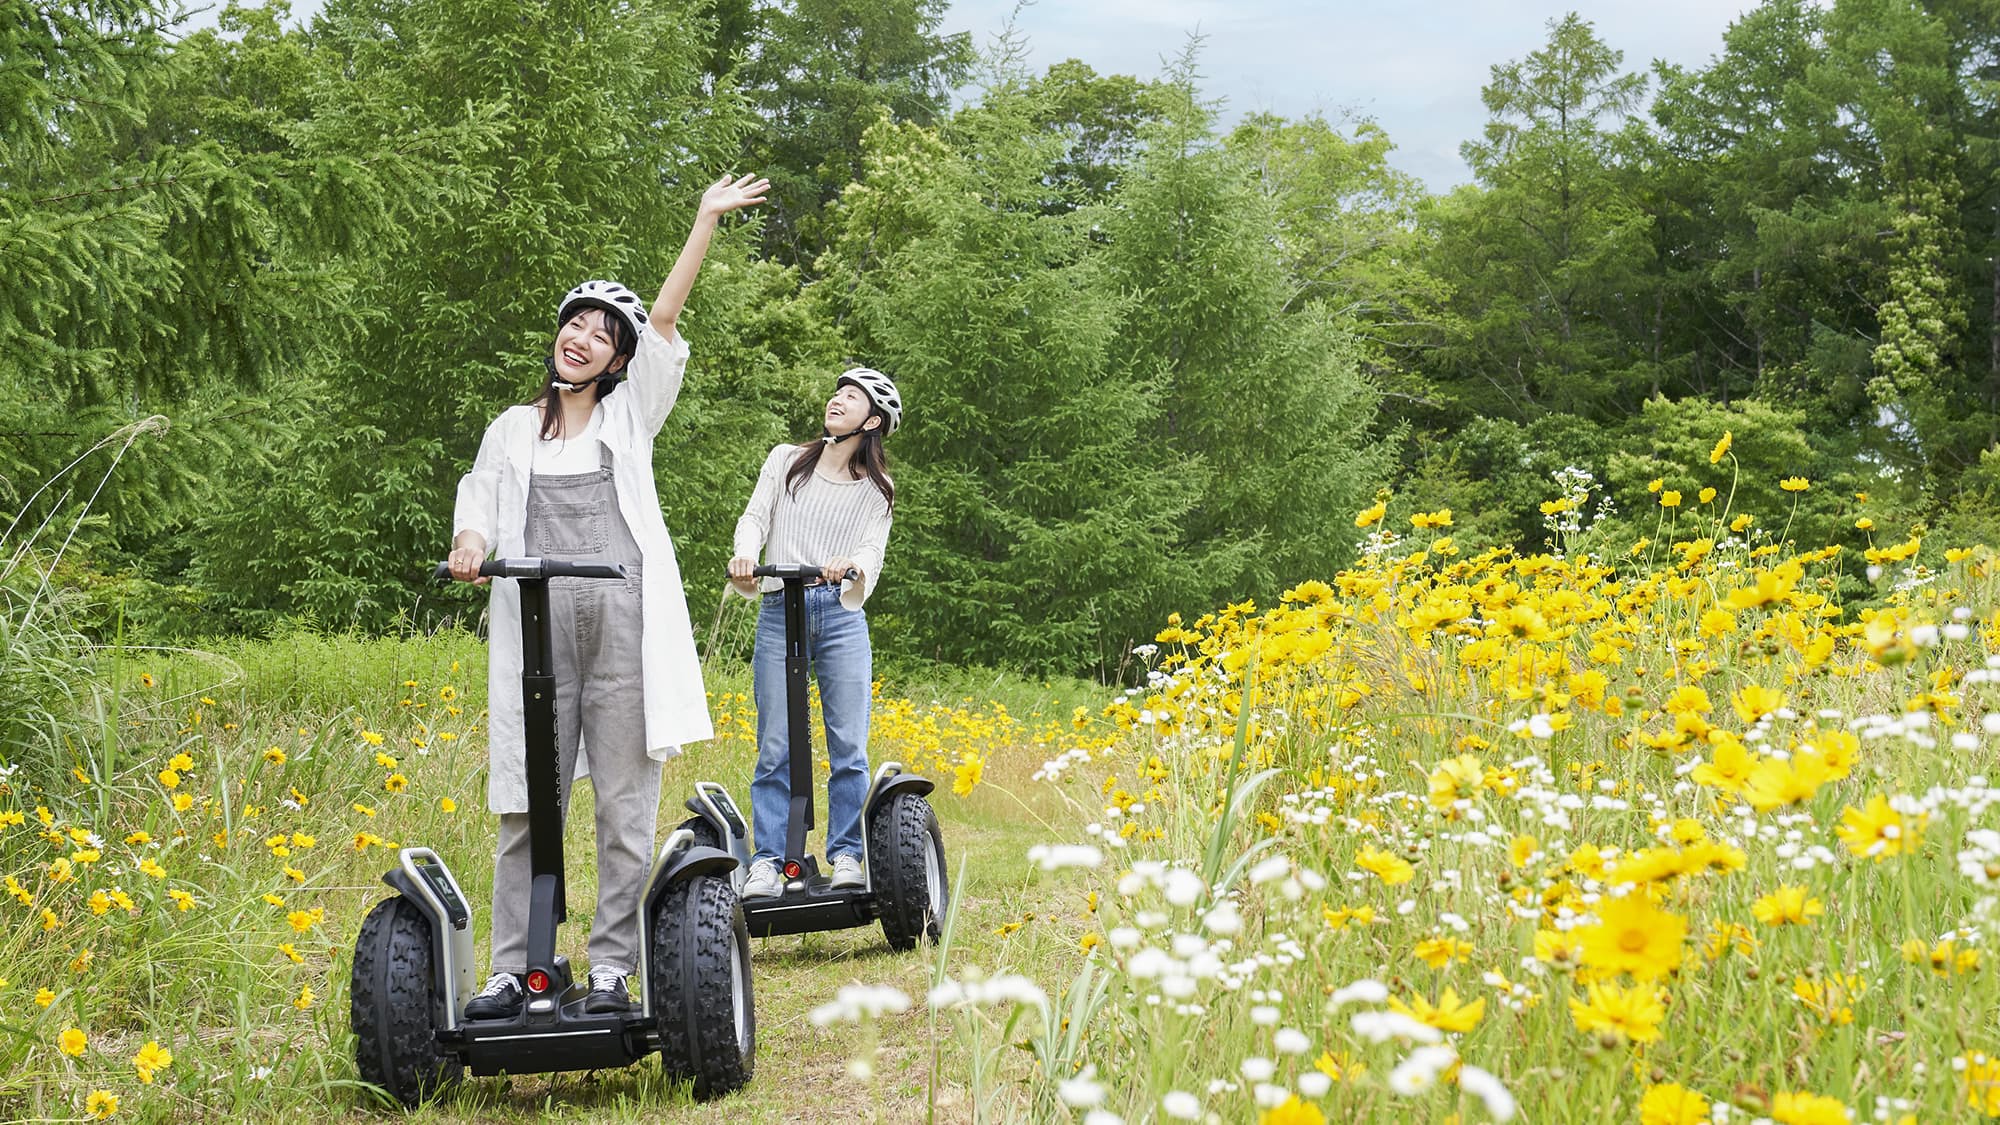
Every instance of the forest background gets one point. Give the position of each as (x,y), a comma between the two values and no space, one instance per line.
(283,275)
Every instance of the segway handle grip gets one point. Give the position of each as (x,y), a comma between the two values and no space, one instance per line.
(538,568)
(795,570)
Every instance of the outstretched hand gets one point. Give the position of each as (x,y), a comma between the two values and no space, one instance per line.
(726,194)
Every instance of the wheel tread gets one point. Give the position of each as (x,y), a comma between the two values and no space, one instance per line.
(690,981)
(393,1005)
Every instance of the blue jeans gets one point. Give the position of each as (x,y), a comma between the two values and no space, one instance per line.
(840,659)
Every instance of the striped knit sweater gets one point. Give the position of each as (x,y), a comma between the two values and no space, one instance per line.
(824,520)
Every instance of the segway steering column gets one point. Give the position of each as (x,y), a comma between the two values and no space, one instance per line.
(798,727)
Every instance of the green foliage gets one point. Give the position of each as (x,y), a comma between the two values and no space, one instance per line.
(1266,397)
(820,73)
(1021,465)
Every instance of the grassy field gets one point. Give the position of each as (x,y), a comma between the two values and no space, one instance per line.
(300,764)
(1674,832)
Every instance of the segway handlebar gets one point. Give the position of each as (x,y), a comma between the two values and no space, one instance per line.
(538,568)
(795,570)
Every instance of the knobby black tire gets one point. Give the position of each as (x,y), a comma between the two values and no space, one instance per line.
(705,835)
(698,928)
(395,1006)
(900,835)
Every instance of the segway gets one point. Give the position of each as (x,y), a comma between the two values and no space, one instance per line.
(903,850)
(413,960)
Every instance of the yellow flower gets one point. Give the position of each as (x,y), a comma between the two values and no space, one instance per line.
(170,779)
(1385,865)
(44,997)
(1721,448)
(1672,1104)
(1521,849)
(1830,997)
(1633,936)
(300,921)
(1372,515)
(305,998)
(1982,1082)
(1876,830)
(72,1042)
(150,868)
(1632,1014)
(151,1058)
(1793,484)
(1437,952)
(1292,1111)
(1742,522)
(447,693)
(1789,1108)
(1864,524)
(1339,1067)
(183,802)
(1655,484)
(371,738)
(446,804)
(1455,779)
(1787,906)
(1670,499)
(1775,784)
(1705,495)
(274,755)
(100,1104)
(1448,1014)
(182,899)
(1754,701)
(396,783)
(1425,520)
(291,953)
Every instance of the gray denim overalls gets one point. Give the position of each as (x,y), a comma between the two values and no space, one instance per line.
(595,630)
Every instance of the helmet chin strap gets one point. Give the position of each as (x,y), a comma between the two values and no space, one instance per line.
(562,384)
(830,438)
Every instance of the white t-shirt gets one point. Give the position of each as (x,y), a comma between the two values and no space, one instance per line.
(566,456)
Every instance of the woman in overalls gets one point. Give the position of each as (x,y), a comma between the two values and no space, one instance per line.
(570,476)
(824,502)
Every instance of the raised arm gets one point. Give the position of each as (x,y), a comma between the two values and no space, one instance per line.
(723,196)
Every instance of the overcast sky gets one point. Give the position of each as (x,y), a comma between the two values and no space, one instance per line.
(1416,66)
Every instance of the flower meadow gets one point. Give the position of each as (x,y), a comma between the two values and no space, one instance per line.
(1681,835)
(1699,827)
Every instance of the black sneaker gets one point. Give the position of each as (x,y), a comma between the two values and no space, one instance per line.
(500,998)
(607,992)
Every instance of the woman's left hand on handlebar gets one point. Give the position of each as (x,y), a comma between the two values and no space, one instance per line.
(464,563)
(836,569)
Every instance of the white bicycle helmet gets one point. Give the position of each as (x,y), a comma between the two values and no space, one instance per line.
(881,391)
(610,296)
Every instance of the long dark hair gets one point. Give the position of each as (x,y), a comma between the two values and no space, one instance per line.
(624,344)
(870,459)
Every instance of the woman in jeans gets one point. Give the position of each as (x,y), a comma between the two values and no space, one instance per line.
(569,475)
(824,502)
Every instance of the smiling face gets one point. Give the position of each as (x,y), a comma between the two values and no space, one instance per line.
(849,410)
(586,347)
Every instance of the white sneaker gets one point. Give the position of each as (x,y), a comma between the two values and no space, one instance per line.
(763,881)
(846,872)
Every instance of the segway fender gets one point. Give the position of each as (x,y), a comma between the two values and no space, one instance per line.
(682,859)
(891,779)
(427,883)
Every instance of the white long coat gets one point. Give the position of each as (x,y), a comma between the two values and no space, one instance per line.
(493,501)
